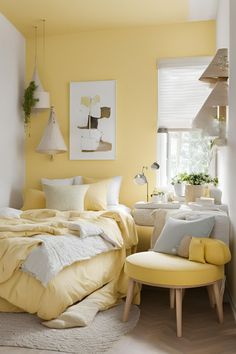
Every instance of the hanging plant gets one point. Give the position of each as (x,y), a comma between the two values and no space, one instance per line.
(29,101)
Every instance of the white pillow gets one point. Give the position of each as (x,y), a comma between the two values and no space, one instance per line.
(113,191)
(57,182)
(65,197)
(6,212)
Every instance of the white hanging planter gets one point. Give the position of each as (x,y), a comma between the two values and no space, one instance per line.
(42,96)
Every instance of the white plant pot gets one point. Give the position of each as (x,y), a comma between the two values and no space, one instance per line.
(179,189)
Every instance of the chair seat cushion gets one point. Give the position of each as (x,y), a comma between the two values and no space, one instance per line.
(167,270)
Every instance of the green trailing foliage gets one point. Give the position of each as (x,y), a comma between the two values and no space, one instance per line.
(29,101)
(195,179)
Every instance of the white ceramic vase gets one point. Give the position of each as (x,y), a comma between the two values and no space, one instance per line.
(215,193)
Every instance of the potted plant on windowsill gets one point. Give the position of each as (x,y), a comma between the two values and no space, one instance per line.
(196,184)
(178,184)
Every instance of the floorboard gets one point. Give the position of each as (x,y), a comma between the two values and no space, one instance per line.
(156,331)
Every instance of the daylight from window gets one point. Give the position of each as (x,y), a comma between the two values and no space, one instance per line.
(188,151)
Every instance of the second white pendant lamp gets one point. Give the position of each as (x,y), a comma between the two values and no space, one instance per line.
(52,141)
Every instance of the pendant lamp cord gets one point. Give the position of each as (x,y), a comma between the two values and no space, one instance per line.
(44,42)
(35,45)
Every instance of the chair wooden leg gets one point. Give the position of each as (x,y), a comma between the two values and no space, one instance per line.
(172,298)
(221,284)
(211,296)
(219,302)
(178,295)
(129,299)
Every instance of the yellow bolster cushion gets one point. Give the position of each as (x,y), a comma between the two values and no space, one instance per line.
(215,251)
(196,250)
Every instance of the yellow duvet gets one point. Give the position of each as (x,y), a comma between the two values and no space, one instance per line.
(22,292)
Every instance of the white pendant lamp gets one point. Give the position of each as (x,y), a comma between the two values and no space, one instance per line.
(40,94)
(52,141)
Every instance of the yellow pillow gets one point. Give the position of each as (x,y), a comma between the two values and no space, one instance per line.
(196,250)
(34,199)
(96,196)
(65,197)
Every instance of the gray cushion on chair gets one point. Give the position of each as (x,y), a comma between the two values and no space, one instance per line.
(175,230)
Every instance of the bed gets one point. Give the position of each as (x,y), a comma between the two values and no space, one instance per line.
(97,278)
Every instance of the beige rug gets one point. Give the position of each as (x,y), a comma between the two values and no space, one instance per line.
(25,330)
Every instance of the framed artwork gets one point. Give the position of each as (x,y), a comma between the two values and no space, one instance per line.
(93,120)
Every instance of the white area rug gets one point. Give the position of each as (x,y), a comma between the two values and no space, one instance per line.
(25,330)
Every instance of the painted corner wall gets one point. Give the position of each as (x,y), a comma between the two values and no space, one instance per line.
(128,56)
(12,75)
(226,27)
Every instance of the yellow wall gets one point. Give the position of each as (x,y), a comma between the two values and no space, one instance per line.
(128,56)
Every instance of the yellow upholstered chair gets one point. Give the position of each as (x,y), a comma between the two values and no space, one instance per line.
(176,273)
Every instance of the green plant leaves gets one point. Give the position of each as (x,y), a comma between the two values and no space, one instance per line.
(29,101)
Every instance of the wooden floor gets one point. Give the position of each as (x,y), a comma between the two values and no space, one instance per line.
(156,332)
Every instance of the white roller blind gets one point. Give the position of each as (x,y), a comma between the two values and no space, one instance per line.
(180,93)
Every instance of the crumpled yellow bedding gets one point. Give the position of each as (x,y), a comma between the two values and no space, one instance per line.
(101,276)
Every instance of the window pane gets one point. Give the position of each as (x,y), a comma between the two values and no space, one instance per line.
(188,151)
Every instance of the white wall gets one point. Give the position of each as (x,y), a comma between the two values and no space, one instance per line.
(222,24)
(12,71)
(226,28)
(230,164)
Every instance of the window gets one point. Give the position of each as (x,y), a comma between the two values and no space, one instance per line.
(180,97)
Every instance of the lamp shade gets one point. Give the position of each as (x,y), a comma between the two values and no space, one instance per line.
(52,141)
(42,96)
(218,67)
(155,166)
(140,178)
(206,121)
(218,96)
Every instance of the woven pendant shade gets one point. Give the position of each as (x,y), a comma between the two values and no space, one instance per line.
(218,68)
(206,117)
(52,141)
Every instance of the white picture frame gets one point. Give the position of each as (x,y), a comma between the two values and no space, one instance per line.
(93,120)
